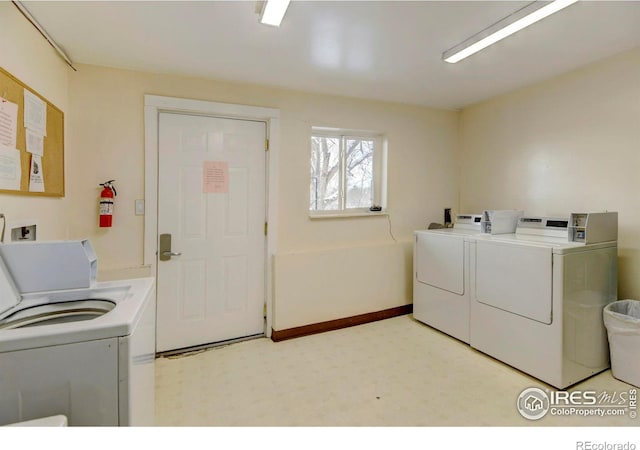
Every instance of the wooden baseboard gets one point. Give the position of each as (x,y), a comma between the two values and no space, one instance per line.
(314,328)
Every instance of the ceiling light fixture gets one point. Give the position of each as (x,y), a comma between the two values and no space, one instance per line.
(522,18)
(273,12)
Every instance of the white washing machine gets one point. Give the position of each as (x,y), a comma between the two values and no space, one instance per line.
(441,280)
(537,295)
(85,352)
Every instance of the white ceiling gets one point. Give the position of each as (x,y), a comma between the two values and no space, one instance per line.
(367,49)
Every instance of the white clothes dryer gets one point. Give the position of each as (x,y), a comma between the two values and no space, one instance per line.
(441,276)
(537,299)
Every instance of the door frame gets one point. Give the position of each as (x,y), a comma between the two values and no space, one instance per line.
(153,106)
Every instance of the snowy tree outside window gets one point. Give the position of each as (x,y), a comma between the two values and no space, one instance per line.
(345,172)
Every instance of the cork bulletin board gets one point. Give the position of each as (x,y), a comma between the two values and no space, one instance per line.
(52,159)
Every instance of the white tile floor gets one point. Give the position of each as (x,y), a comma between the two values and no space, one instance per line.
(396,372)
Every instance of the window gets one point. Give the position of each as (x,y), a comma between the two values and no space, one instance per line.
(347,172)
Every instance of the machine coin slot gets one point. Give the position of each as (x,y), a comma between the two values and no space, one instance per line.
(591,228)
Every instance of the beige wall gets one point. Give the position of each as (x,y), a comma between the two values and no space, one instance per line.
(28,57)
(338,283)
(106,128)
(569,144)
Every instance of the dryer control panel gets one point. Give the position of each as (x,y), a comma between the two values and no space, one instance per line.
(543,226)
(468,221)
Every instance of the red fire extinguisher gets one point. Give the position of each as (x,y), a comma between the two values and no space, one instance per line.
(106,203)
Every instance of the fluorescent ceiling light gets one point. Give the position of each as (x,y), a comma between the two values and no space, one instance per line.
(273,12)
(522,18)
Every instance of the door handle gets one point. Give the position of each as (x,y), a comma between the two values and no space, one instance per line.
(165,248)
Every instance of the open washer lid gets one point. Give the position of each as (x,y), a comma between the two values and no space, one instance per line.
(9,295)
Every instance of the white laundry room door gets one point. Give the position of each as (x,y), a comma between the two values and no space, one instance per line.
(212,208)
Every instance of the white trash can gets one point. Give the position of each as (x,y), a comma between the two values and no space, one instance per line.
(622,319)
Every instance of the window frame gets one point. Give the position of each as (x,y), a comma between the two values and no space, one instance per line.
(379,172)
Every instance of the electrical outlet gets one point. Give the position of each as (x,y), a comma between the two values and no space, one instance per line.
(23,233)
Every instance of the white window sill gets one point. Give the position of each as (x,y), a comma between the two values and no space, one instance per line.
(347,214)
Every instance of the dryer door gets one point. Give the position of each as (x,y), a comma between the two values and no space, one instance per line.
(440,261)
(515,278)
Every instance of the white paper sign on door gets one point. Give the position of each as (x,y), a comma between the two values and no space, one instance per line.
(215,177)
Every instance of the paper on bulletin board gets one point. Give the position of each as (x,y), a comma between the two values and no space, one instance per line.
(215,177)
(10,169)
(35,143)
(8,122)
(36,180)
(35,113)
